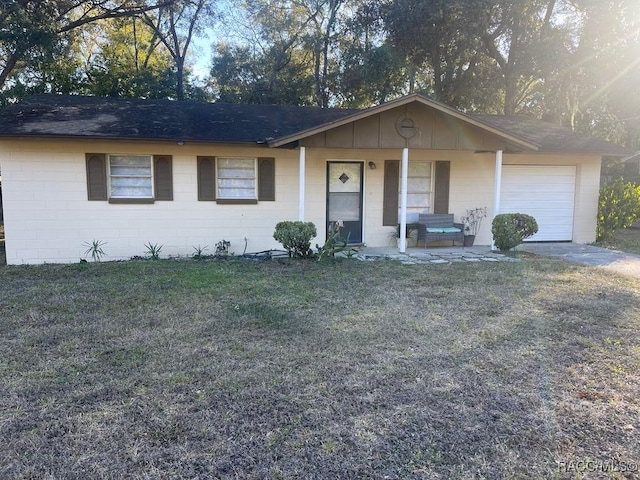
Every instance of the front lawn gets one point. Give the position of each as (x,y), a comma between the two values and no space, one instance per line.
(626,240)
(301,370)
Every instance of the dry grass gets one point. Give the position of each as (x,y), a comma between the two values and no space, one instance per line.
(303,370)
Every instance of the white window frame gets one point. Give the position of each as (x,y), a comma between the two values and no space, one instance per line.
(254,196)
(111,177)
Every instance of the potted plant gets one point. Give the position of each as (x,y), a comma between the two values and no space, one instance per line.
(472,221)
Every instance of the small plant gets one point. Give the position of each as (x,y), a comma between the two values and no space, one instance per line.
(153,250)
(335,243)
(95,249)
(411,232)
(222,248)
(473,220)
(296,237)
(510,229)
(198,252)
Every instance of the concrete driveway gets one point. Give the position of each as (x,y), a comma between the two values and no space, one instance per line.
(625,263)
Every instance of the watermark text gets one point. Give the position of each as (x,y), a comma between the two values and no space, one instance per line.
(602,466)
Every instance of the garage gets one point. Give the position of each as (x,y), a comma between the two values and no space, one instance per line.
(546,192)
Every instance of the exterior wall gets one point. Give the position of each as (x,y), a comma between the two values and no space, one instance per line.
(48,217)
(472,185)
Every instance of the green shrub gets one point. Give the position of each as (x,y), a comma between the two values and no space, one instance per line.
(510,229)
(296,237)
(618,207)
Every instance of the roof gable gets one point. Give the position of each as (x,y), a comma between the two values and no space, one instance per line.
(412,125)
(402,102)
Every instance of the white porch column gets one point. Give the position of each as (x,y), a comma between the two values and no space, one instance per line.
(496,196)
(302,161)
(404,167)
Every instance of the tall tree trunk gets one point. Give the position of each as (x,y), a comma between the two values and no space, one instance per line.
(180,78)
(8,68)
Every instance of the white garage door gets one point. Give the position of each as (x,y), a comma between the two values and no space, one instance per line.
(544,192)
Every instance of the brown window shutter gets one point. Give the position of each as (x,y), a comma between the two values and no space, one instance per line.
(96,176)
(206,179)
(267,179)
(441,194)
(163,177)
(391,190)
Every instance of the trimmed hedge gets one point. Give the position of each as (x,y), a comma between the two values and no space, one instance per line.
(296,237)
(510,229)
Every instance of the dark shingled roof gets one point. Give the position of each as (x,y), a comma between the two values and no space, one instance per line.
(104,117)
(550,137)
(118,118)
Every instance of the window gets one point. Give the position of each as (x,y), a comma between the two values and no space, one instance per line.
(239,180)
(418,190)
(236,178)
(130,176)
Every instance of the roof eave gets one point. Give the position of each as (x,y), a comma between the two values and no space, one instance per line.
(596,153)
(632,157)
(278,142)
(177,141)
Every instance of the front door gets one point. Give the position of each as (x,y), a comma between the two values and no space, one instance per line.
(344,198)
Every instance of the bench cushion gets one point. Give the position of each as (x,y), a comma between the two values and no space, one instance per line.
(451,230)
(435,230)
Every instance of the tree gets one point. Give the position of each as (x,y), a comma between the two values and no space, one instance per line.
(323,16)
(600,79)
(31,31)
(125,59)
(249,75)
(271,62)
(369,69)
(175,25)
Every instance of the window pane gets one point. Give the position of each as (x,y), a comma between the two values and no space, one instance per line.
(344,177)
(131,192)
(236,177)
(344,206)
(236,183)
(419,169)
(130,176)
(131,171)
(417,200)
(418,185)
(418,190)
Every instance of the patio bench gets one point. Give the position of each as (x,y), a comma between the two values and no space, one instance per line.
(434,227)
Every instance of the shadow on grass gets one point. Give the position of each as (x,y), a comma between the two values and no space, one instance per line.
(262,314)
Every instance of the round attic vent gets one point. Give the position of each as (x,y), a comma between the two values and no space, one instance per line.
(406,127)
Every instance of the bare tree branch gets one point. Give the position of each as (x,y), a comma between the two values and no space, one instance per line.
(113,13)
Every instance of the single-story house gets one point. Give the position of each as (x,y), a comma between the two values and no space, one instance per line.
(186,174)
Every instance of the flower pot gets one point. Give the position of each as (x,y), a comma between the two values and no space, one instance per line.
(468,240)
